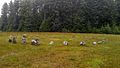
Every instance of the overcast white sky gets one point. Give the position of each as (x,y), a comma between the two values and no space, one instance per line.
(2,2)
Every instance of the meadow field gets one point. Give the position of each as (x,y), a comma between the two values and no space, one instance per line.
(105,55)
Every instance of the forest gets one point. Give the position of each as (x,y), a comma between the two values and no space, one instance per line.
(78,16)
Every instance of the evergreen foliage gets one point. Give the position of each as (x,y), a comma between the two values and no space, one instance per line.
(89,16)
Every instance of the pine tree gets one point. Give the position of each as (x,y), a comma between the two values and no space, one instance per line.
(11,16)
(4,17)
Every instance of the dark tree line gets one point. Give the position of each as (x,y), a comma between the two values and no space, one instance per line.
(96,16)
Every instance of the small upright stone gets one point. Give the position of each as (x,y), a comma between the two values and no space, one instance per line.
(24,39)
(65,43)
(14,40)
(51,43)
(35,42)
(100,42)
(10,39)
(94,43)
(82,43)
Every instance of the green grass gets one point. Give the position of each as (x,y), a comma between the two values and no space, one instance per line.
(106,55)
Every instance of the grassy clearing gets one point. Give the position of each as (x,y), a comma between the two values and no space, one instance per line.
(105,55)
